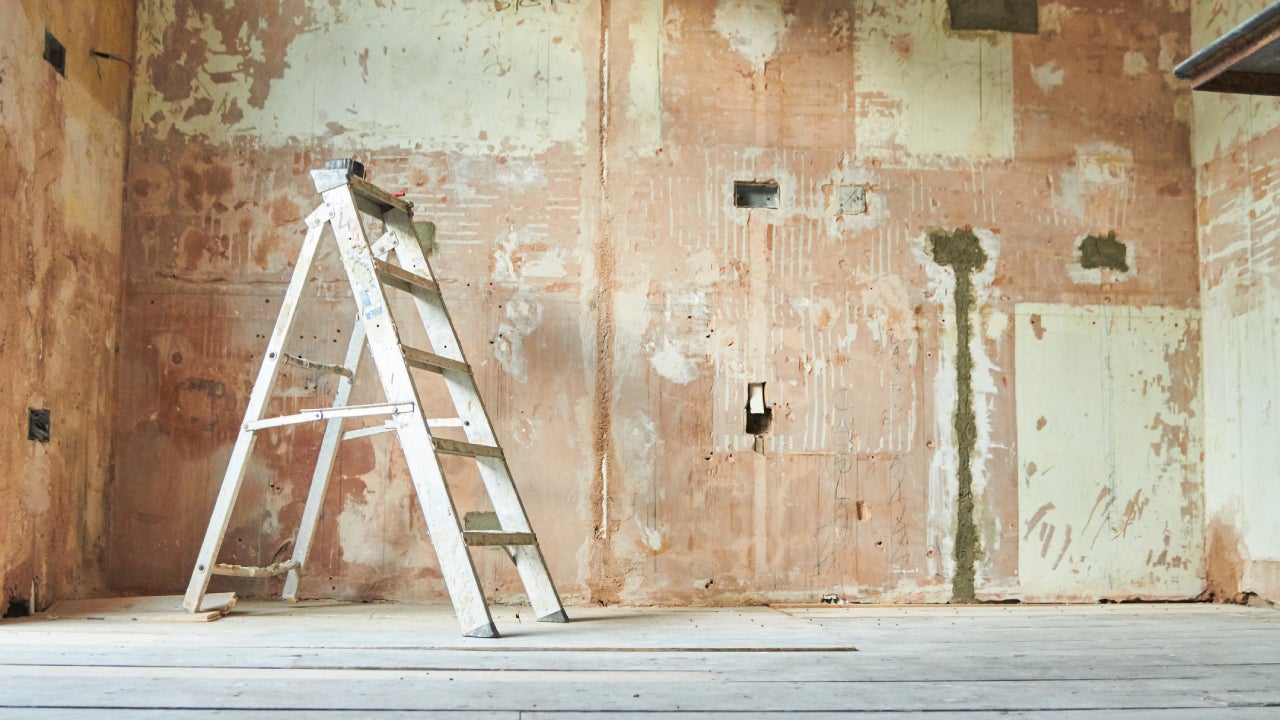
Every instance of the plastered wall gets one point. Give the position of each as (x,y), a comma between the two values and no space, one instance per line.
(1236,144)
(62,157)
(578,159)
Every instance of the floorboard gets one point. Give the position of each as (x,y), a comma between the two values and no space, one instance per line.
(383,661)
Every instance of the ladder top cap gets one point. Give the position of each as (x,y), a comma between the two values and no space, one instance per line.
(327,178)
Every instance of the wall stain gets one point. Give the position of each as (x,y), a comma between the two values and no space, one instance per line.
(961,251)
(1104,251)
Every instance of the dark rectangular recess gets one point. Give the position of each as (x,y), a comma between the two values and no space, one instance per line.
(1015,16)
(38,424)
(755,194)
(55,54)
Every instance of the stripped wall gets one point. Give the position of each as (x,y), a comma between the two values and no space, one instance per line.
(62,157)
(1236,143)
(578,159)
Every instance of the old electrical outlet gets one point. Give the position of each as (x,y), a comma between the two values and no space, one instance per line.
(759,415)
(853,199)
(755,194)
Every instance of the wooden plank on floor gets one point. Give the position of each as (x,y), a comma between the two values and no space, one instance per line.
(155,608)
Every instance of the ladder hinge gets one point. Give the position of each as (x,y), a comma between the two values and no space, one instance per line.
(320,216)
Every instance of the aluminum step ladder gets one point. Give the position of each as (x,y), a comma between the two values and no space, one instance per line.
(347,199)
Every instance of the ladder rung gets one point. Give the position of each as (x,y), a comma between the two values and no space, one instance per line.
(249,571)
(490,538)
(317,366)
(328,413)
(401,279)
(465,449)
(424,360)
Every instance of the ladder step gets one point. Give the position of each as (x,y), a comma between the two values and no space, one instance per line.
(327,413)
(492,538)
(401,279)
(250,571)
(465,449)
(317,366)
(424,360)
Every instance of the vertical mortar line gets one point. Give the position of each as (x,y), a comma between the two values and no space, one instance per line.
(605,261)
(966,436)
(963,253)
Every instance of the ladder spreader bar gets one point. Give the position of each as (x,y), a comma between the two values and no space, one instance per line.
(327,413)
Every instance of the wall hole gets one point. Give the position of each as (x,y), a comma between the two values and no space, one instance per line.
(38,424)
(55,54)
(755,194)
(18,608)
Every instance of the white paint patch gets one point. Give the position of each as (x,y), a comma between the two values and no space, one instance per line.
(644,90)
(673,365)
(361,534)
(453,75)
(754,28)
(1109,481)
(523,317)
(651,538)
(1242,417)
(1104,163)
(1048,76)
(928,91)
(1100,186)
(1135,63)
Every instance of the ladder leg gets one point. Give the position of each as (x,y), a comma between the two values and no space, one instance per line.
(415,439)
(479,429)
(324,465)
(442,523)
(234,476)
(528,558)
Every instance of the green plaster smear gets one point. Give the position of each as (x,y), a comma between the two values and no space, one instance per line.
(1097,251)
(961,251)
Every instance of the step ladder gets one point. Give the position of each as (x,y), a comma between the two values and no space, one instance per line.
(347,199)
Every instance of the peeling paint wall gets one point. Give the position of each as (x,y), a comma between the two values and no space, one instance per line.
(1236,143)
(62,155)
(1110,453)
(579,160)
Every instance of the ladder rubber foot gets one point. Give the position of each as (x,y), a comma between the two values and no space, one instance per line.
(484,631)
(558,616)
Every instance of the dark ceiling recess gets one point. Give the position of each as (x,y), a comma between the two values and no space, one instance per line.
(1016,16)
(1245,60)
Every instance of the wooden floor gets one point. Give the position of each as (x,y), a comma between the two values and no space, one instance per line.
(267,660)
